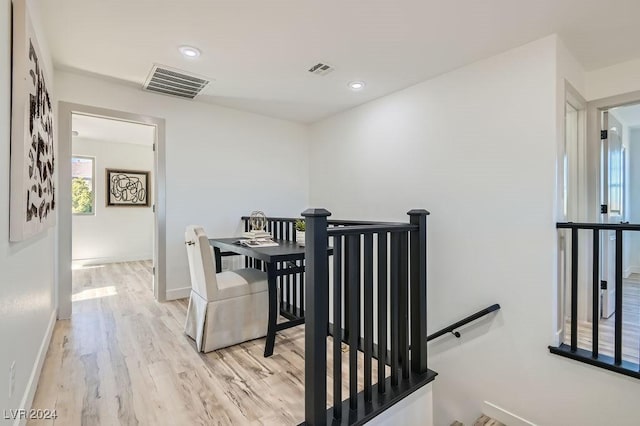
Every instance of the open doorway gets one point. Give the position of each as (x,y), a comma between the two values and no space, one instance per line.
(608,286)
(620,203)
(111,166)
(623,177)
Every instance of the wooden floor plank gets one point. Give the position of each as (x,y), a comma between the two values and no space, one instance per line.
(606,326)
(123,359)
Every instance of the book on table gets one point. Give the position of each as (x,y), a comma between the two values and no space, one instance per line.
(258,242)
(257,235)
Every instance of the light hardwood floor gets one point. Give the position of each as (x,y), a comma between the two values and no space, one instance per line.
(606,327)
(123,359)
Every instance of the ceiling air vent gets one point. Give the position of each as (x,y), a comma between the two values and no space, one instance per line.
(170,81)
(321,69)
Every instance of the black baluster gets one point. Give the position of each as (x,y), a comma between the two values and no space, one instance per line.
(368,314)
(403,315)
(302,263)
(395,332)
(618,314)
(246,229)
(337,327)
(419,291)
(317,318)
(595,294)
(295,284)
(281,287)
(382,310)
(574,289)
(347,293)
(353,288)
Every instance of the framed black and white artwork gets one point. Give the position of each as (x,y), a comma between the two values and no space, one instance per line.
(127,188)
(33,193)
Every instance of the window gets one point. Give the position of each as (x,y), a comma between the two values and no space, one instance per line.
(82,185)
(616,180)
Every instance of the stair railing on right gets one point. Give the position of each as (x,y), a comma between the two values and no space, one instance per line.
(356,247)
(593,353)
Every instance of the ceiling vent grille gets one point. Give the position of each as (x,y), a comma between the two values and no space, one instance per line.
(170,81)
(321,69)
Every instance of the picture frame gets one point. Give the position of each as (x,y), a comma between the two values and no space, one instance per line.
(127,188)
(33,174)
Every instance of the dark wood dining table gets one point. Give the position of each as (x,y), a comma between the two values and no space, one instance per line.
(279,261)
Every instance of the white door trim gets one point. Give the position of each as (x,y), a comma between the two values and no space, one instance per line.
(594,108)
(63,275)
(576,191)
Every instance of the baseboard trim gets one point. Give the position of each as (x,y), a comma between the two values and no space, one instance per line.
(178,293)
(32,385)
(504,416)
(558,336)
(631,270)
(115,259)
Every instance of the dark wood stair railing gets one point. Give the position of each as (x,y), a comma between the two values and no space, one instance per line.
(594,355)
(400,250)
(404,247)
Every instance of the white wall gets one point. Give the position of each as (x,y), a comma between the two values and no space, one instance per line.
(477,147)
(221,163)
(614,80)
(415,409)
(634,199)
(27,292)
(113,234)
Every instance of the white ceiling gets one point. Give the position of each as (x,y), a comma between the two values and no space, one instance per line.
(114,131)
(628,115)
(259,51)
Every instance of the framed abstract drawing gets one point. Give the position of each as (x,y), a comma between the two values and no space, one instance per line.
(127,188)
(33,193)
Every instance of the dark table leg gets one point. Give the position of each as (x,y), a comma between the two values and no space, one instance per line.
(273,309)
(218,258)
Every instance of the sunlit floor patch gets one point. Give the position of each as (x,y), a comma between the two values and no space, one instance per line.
(94,293)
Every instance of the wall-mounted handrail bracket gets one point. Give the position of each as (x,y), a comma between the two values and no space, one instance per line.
(453,327)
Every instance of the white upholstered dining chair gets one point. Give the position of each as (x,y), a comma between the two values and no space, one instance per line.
(226,308)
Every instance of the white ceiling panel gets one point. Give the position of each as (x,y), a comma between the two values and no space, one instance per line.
(114,131)
(258,52)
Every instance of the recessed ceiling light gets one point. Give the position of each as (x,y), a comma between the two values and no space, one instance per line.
(356,85)
(189,51)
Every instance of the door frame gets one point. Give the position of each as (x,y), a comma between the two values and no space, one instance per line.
(576,189)
(607,244)
(594,109)
(64,237)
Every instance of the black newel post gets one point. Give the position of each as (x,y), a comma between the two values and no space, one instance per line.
(418,288)
(316,316)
